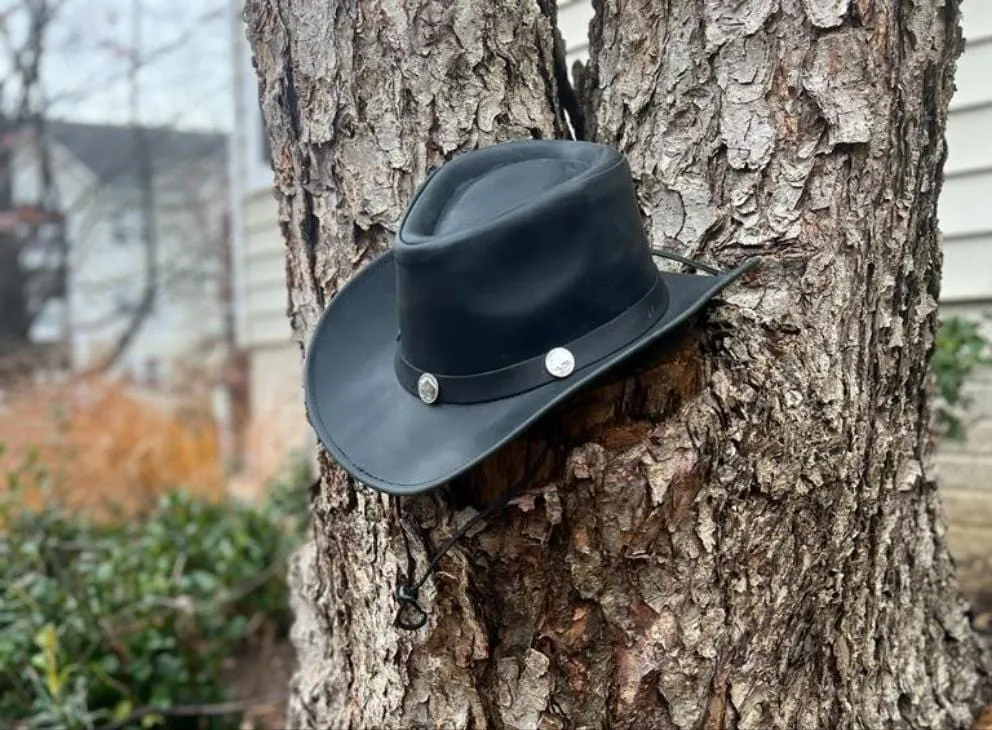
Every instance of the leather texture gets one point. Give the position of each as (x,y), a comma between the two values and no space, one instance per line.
(503,254)
(514,249)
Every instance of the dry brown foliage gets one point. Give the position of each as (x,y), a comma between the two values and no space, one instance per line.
(106,449)
(984,721)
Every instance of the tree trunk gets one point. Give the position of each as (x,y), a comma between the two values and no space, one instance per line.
(741,530)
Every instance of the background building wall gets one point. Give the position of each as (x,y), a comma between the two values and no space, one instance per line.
(97,190)
(965,470)
(277,428)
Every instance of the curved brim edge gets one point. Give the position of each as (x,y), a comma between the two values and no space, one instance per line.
(390,441)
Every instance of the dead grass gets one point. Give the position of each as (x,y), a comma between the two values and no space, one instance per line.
(107,450)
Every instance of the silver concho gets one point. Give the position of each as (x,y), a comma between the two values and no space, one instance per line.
(427,388)
(559,362)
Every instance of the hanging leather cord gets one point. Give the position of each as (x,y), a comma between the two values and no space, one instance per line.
(683,260)
(408,593)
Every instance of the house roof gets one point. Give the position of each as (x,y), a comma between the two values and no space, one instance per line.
(109,150)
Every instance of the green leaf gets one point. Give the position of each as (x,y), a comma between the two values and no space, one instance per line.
(152,720)
(123,709)
(62,576)
(960,349)
(47,639)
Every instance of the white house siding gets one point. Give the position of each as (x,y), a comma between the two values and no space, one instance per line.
(965,470)
(277,425)
(966,200)
(266,323)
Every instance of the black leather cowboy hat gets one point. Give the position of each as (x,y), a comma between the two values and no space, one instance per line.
(520,272)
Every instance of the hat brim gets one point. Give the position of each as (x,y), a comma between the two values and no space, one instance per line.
(386,437)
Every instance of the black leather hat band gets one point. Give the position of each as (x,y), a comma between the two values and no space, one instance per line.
(533,373)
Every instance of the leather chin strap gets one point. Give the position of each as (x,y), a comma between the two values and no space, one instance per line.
(532,373)
(411,616)
(672,256)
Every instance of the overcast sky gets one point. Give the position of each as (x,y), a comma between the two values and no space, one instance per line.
(186,81)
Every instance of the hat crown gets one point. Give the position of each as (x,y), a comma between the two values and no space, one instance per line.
(510,251)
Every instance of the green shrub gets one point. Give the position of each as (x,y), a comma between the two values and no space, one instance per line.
(98,620)
(960,349)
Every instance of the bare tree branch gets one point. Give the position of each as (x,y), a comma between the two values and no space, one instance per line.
(149,232)
(25,291)
(149,58)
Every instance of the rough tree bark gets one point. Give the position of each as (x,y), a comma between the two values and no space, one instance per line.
(741,530)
